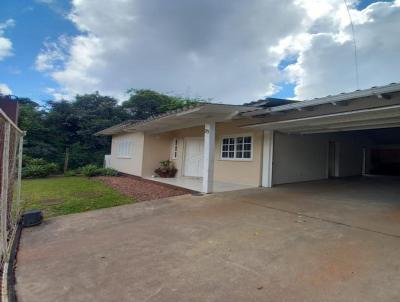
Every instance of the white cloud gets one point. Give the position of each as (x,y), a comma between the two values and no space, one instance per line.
(4,89)
(212,49)
(5,43)
(327,64)
(53,55)
(228,50)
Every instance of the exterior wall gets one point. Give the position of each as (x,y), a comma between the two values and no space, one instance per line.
(246,172)
(350,157)
(131,165)
(305,157)
(181,135)
(299,158)
(157,147)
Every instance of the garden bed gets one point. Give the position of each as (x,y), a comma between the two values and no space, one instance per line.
(142,189)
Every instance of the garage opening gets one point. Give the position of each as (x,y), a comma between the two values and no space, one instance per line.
(384,154)
(315,156)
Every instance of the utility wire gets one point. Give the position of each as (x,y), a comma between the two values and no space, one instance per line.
(355,45)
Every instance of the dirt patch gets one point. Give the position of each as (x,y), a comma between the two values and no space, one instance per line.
(141,189)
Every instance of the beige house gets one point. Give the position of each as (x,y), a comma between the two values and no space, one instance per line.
(218,147)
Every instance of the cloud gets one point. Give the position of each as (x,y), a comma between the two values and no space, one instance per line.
(5,43)
(228,50)
(326,62)
(4,89)
(53,55)
(211,49)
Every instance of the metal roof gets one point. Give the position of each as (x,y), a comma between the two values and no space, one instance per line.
(370,118)
(344,96)
(269,102)
(181,118)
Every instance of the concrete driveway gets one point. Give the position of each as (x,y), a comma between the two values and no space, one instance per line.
(320,241)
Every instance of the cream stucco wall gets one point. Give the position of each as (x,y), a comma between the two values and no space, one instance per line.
(132,165)
(150,149)
(247,172)
(157,147)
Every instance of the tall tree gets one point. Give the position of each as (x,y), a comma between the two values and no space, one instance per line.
(143,103)
(63,129)
(38,140)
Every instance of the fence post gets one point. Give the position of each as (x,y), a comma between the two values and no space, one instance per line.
(21,146)
(4,187)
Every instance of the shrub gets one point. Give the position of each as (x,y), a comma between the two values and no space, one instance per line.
(166,169)
(108,172)
(37,167)
(70,173)
(90,170)
(93,170)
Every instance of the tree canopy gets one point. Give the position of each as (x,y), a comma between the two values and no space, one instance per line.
(58,126)
(143,103)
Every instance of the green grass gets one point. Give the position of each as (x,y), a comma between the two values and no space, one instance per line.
(66,195)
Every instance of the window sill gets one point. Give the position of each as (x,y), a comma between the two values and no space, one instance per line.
(124,157)
(236,159)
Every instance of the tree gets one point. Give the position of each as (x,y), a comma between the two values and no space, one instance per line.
(65,129)
(143,103)
(65,126)
(32,118)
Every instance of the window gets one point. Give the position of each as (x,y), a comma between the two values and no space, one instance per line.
(125,149)
(174,148)
(239,147)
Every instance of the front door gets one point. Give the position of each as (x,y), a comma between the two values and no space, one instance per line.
(194,152)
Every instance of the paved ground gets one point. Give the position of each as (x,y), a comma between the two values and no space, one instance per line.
(251,245)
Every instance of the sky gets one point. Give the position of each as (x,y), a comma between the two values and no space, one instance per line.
(229,51)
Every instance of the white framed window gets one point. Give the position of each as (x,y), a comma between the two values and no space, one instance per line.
(174,148)
(237,147)
(125,149)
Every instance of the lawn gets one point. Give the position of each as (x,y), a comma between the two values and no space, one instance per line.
(66,195)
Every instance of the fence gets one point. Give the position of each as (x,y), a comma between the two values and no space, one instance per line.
(11,142)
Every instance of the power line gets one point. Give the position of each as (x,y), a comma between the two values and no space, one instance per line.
(355,45)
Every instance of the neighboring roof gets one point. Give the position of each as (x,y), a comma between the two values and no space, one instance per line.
(333,99)
(10,106)
(269,102)
(190,116)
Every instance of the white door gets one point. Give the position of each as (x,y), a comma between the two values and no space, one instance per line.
(194,152)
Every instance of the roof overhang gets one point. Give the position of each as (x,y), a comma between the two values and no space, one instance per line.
(181,119)
(373,118)
(382,92)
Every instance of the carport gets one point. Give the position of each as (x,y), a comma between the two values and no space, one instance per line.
(350,134)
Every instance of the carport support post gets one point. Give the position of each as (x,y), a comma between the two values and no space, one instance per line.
(268,157)
(209,150)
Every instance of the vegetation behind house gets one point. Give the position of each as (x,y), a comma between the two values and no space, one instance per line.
(57,130)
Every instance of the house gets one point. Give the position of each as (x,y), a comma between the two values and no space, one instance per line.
(218,147)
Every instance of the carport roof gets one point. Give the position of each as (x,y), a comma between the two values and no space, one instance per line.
(191,116)
(372,118)
(380,91)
